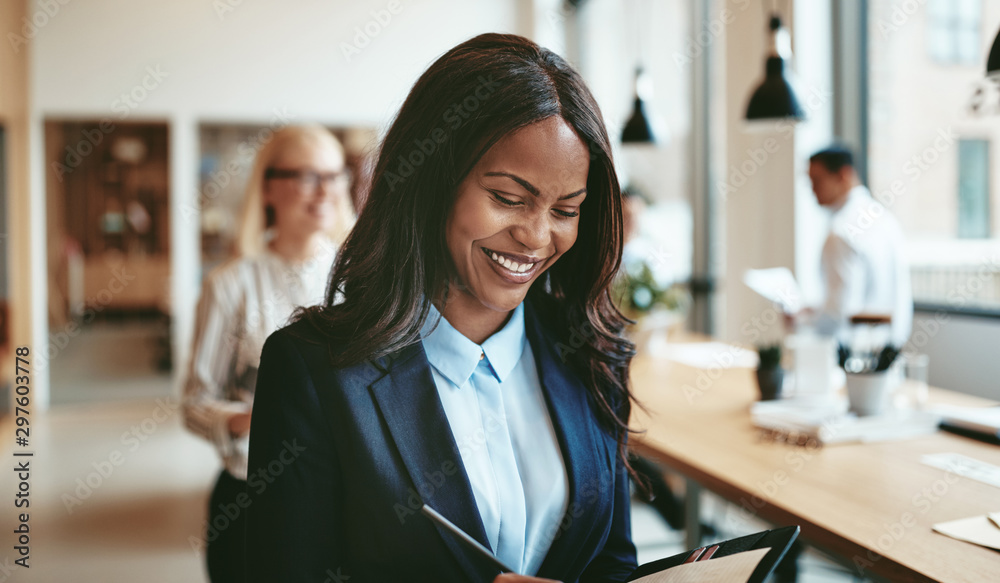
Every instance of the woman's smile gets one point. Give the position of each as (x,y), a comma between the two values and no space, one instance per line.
(513,268)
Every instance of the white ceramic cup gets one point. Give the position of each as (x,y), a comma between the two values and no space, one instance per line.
(869,393)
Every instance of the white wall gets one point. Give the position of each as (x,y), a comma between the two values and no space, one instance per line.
(243,65)
(962,351)
(617,36)
(771,218)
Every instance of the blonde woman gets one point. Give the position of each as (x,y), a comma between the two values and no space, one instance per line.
(296,212)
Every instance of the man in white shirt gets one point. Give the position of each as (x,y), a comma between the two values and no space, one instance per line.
(863,263)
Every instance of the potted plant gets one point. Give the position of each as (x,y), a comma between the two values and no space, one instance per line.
(770,375)
(651,304)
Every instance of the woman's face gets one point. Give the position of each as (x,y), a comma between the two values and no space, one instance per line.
(308,176)
(516,213)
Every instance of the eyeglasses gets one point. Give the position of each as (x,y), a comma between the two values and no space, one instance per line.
(309,180)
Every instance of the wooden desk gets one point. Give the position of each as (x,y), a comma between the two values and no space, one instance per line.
(870,505)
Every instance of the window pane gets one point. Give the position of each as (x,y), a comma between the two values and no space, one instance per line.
(973,189)
(939,10)
(968,47)
(940,43)
(968,11)
(926,141)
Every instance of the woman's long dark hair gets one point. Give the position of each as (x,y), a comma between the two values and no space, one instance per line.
(396,259)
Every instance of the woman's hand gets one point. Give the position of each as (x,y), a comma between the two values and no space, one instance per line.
(512,578)
(239,424)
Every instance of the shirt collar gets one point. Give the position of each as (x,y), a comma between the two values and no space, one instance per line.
(456,357)
(855,194)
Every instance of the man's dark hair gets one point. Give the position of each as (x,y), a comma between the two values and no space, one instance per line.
(834,158)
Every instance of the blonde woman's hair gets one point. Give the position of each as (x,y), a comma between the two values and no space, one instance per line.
(256,220)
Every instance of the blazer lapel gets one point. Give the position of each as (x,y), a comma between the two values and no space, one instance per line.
(408,399)
(567,401)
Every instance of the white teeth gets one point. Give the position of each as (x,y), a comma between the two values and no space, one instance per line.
(511,265)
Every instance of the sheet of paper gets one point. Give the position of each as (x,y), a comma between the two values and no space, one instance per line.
(732,569)
(709,355)
(994,518)
(965,466)
(978,530)
(777,285)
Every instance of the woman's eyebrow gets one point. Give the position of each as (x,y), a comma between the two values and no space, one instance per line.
(531,187)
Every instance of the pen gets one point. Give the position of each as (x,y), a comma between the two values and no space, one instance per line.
(464,537)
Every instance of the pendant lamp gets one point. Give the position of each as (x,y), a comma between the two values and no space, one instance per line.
(993,62)
(774,98)
(638,129)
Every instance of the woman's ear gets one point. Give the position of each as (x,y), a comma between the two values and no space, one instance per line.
(267,193)
(270,219)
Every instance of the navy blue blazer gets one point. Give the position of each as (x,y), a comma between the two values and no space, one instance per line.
(341,460)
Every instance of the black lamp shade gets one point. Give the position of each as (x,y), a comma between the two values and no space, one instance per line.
(638,129)
(774,99)
(993,63)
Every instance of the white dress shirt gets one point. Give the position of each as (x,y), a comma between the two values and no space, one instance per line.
(865,268)
(242,302)
(498,415)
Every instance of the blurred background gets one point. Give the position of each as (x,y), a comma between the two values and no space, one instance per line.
(127,130)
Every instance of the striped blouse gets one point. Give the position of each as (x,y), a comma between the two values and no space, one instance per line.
(242,302)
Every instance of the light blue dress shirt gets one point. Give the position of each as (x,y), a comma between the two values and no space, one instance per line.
(497,412)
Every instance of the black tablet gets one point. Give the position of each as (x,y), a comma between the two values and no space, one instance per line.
(779,540)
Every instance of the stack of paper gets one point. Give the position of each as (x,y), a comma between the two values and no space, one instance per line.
(827,420)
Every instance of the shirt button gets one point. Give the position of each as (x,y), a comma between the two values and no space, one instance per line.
(482,355)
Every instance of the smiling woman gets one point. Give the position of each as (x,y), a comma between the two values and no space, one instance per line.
(484,247)
(503,232)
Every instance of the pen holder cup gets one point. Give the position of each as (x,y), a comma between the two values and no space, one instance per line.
(869,393)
